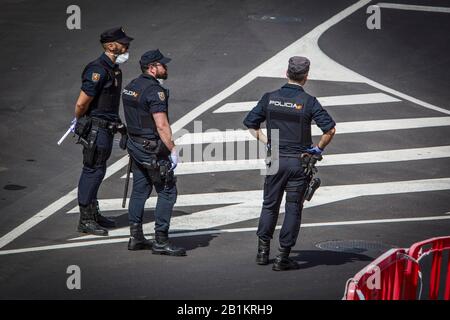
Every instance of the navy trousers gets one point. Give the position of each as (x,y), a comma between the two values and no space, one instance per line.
(142,188)
(289,178)
(92,176)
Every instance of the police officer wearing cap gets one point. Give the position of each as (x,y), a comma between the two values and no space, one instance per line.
(290,110)
(152,153)
(97,120)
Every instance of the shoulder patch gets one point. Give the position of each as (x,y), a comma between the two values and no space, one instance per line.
(95,76)
(162,95)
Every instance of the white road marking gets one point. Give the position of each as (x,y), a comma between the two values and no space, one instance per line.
(341,128)
(413,7)
(219,231)
(246,205)
(54,207)
(328,160)
(352,99)
(324,68)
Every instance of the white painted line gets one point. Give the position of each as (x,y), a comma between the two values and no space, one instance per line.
(219,231)
(236,107)
(208,137)
(368,98)
(54,207)
(240,206)
(413,7)
(328,160)
(325,68)
(353,99)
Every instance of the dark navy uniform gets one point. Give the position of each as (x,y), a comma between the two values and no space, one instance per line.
(290,110)
(101,79)
(141,98)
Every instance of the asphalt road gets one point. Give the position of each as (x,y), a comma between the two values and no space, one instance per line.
(400,72)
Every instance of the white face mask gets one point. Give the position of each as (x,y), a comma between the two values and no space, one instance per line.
(121,58)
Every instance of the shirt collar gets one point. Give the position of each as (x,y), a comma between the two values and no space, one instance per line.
(293,86)
(107,60)
(150,77)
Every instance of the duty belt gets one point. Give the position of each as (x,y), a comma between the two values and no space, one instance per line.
(141,140)
(148,144)
(105,124)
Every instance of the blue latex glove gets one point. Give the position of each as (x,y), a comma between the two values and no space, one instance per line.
(314,150)
(173,159)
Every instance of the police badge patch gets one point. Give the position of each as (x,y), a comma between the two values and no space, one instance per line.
(95,76)
(162,96)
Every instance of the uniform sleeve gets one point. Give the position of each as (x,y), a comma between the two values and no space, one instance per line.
(257,115)
(93,80)
(156,100)
(322,118)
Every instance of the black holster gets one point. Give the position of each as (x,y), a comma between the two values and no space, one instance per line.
(89,147)
(159,171)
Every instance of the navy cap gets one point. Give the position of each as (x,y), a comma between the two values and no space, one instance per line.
(298,65)
(115,35)
(153,56)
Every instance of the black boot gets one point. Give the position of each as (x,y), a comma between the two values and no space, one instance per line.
(88,224)
(283,262)
(262,257)
(163,246)
(101,220)
(137,240)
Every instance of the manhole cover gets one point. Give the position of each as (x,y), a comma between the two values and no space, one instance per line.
(353,246)
(273,18)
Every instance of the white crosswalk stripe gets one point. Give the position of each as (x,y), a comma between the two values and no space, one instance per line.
(352,99)
(246,205)
(330,160)
(217,136)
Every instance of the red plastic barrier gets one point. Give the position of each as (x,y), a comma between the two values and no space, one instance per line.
(395,275)
(434,246)
(381,280)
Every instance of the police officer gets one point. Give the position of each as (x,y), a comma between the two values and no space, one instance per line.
(290,110)
(97,119)
(152,153)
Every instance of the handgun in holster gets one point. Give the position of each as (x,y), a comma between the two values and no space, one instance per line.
(309,168)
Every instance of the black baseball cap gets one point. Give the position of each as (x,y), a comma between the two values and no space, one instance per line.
(298,65)
(153,56)
(116,34)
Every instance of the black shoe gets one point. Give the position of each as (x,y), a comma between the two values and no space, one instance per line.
(87,223)
(102,220)
(137,240)
(262,257)
(283,262)
(163,246)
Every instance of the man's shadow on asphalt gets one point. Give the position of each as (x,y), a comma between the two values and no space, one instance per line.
(149,216)
(313,258)
(189,243)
